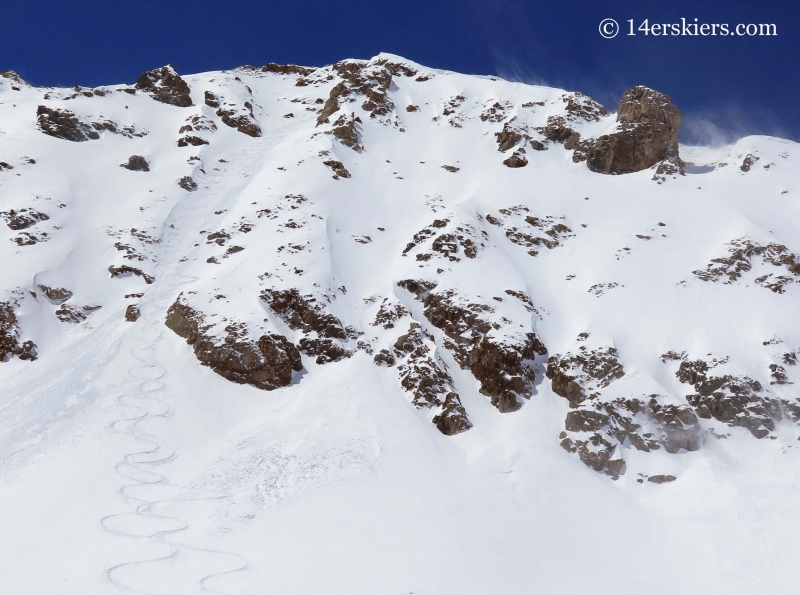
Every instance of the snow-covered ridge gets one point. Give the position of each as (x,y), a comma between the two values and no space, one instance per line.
(442,245)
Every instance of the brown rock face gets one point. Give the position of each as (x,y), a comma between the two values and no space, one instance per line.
(187,183)
(165,85)
(57,295)
(10,344)
(649,133)
(125,270)
(502,371)
(23,219)
(518,159)
(136,163)
(64,124)
(266,363)
(132,313)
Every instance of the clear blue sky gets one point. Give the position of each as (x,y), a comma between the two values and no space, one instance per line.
(726,86)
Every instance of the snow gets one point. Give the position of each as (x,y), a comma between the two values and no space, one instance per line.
(125,465)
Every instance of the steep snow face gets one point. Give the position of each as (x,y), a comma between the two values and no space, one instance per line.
(375,327)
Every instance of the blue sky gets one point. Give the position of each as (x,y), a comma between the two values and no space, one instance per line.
(727,87)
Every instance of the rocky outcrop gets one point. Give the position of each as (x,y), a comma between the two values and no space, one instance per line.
(286,69)
(10,344)
(126,270)
(523,229)
(56,295)
(74,314)
(371,81)
(339,170)
(502,363)
(187,183)
(579,376)
(165,85)
(194,141)
(23,218)
(461,240)
(346,132)
(426,379)
(738,401)
(596,428)
(302,313)
(266,363)
(742,253)
(242,119)
(647,134)
(518,159)
(132,313)
(63,124)
(324,332)
(136,163)
(505,371)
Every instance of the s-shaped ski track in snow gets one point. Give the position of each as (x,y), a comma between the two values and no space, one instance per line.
(179,567)
(172,569)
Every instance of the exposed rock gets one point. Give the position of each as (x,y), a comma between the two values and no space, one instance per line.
(187,183)
(557,130)
(648,133)
(339,170)
(597,453)
(659,479)
(301,313)
(496,113)
(502,364)
(165,85)
(451,168)
(518,159)
(64,124)
(325,350)
(266,363)
(136,163)
(332,104)
(10,345)
(742,253)
(240,118)
(389,313)
(520,228)
(344,129)
(748,162)
(508,138)
(504,370)
(211,100)
(572,375)
(738,401)
(287,69)
(14,77)
(194,141)
(125,270)
(132,313)
(56,295)
(29,239)
(384,357)
(74,314)
(372,81)
(466,240)
(427,380)
(23,218)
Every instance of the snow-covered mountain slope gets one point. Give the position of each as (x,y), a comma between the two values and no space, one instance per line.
(380,328)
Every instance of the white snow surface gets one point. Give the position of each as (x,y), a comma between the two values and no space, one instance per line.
(127,466)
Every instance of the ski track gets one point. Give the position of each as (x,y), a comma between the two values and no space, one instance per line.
(150,401)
